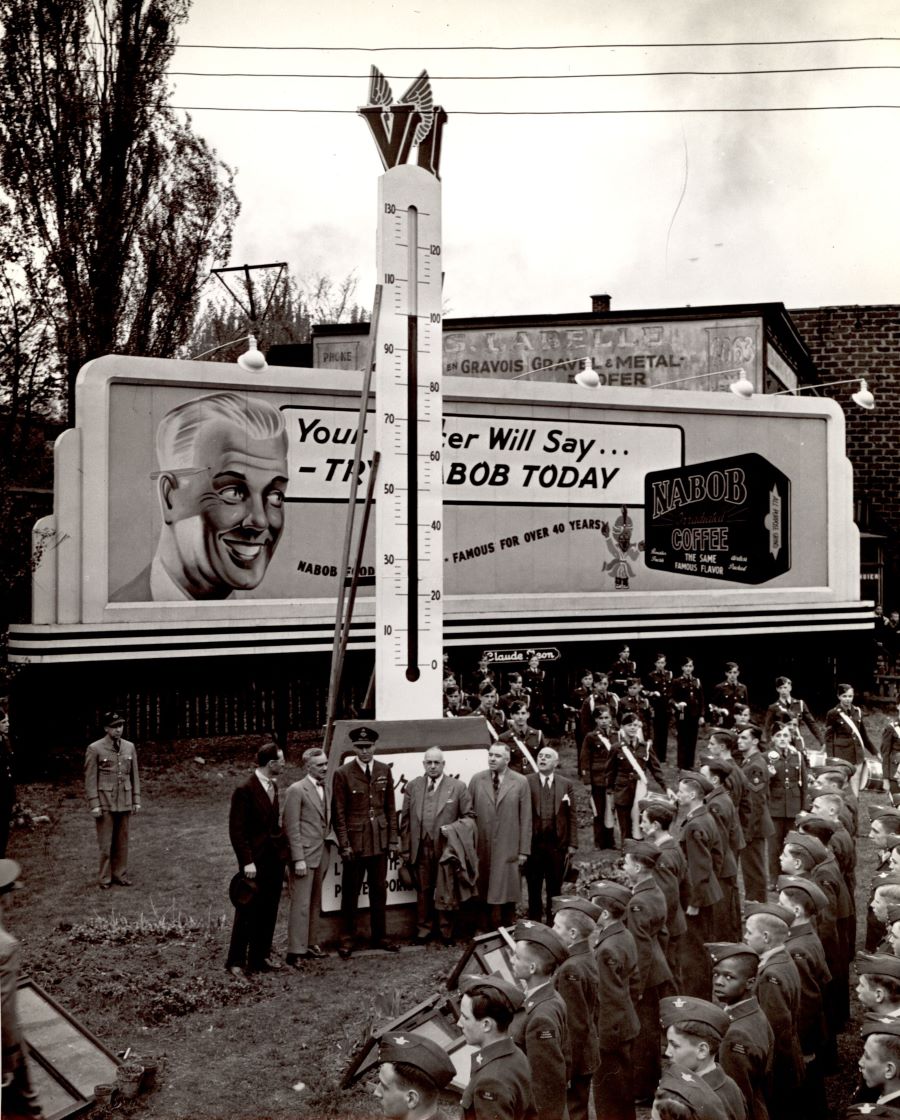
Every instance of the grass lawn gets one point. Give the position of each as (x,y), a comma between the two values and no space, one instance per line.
(144,967)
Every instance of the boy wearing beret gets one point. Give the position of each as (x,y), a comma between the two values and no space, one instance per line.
(541,1029)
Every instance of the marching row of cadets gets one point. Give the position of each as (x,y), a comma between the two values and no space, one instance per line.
(745,1010)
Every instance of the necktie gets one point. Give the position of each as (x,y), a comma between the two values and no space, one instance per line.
(433,785)
(495,778)
(546,783)
(368,772)
(270,790)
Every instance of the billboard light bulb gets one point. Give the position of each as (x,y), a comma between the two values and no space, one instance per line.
(253,360)
(587,378)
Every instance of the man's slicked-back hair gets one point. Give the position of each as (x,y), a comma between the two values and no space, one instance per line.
(178,430)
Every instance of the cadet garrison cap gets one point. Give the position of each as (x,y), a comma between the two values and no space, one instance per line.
(689,1087)
(717,764)
(722,950)
(808,843)
(882,1025)
(878,964)
(607,889)
(809,888)
(886,879)
(416,1050)
(643,850)
(513,995)
(871,1111)
(681,1009)
(539,934)
(772,908)
(819,826)
(359,736)
(876,812)
(695,776)
(659,805)
(576,902)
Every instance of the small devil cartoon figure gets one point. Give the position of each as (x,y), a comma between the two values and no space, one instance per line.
(621,549)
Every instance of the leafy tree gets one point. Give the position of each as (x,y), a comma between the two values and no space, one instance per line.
(118,206)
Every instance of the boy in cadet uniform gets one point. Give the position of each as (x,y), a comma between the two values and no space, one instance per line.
(521,738)
(804,900)
(541,1029)
(884,832)
(636,702)
(879,1065)
(578,983)
(747,1049)
(754,815)
(778,991)
(787,708)
(488,701)
(702,847)
(616,955)
(593,765)
(728,693)
(834,777)
(723,744)
(694,1031)
(727,913)
(621,671)
(787,791)
(500,1083)
(684,1094)
(686,700)
(670,872)
(600,697)
(516,694)
(645,919)
(659,681)
(412,1072)
(624,777)
(829,807)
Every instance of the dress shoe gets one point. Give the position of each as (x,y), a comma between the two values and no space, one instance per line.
(294,960)
(235,970)
(123,881)
(317,952)
(386,946)
(270,964)
(345,952)
(104,886)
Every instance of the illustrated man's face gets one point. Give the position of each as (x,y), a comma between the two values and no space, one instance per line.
(434,763)
(227,513)
(547,760)
(394,1100)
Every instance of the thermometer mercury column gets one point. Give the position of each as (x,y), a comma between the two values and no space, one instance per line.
(408,372)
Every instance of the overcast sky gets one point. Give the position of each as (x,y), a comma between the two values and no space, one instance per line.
(539,212)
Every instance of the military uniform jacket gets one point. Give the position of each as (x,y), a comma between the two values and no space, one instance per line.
(726,695)
(805,948)
(594,758)
(616,956)
(111,779)
(797,710)
(541,1031)
(689,690)
(623,778)
(736,784)
(702,846)
(578,983)
(778,993)
(840,739)
(618,674)
(595,700)
(500,1085)
(364,813)
(726,1089)
(645,920)
(828,876)
(787,782)
(726,817)
(890,748)
(671,875)
(754,809)
(533,740)
(639,707)
(746,1054)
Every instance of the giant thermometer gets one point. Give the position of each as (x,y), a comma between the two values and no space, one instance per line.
(408,371)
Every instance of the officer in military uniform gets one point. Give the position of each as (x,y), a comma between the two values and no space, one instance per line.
(500,1083)
(778,992)
(754,814)
(113,790)
(616,957)
(747,1049)
(412,1072)
(540,1029)
(365,821)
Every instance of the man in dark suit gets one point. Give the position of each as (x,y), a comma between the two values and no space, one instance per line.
(365,820)
(307,823)
(554,832)
(430,803)
(262,850)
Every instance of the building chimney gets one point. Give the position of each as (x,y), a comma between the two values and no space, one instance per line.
(600,303)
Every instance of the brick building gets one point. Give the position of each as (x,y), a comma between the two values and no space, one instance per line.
(864,342)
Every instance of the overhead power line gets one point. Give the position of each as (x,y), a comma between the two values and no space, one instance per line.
(528,77)
(539,46)
(541,112)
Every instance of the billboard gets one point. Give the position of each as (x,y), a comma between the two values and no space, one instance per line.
(202,509)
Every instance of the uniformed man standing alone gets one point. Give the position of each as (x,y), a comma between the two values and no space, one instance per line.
(113,791)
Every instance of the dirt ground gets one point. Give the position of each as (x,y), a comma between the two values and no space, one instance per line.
(144,967)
